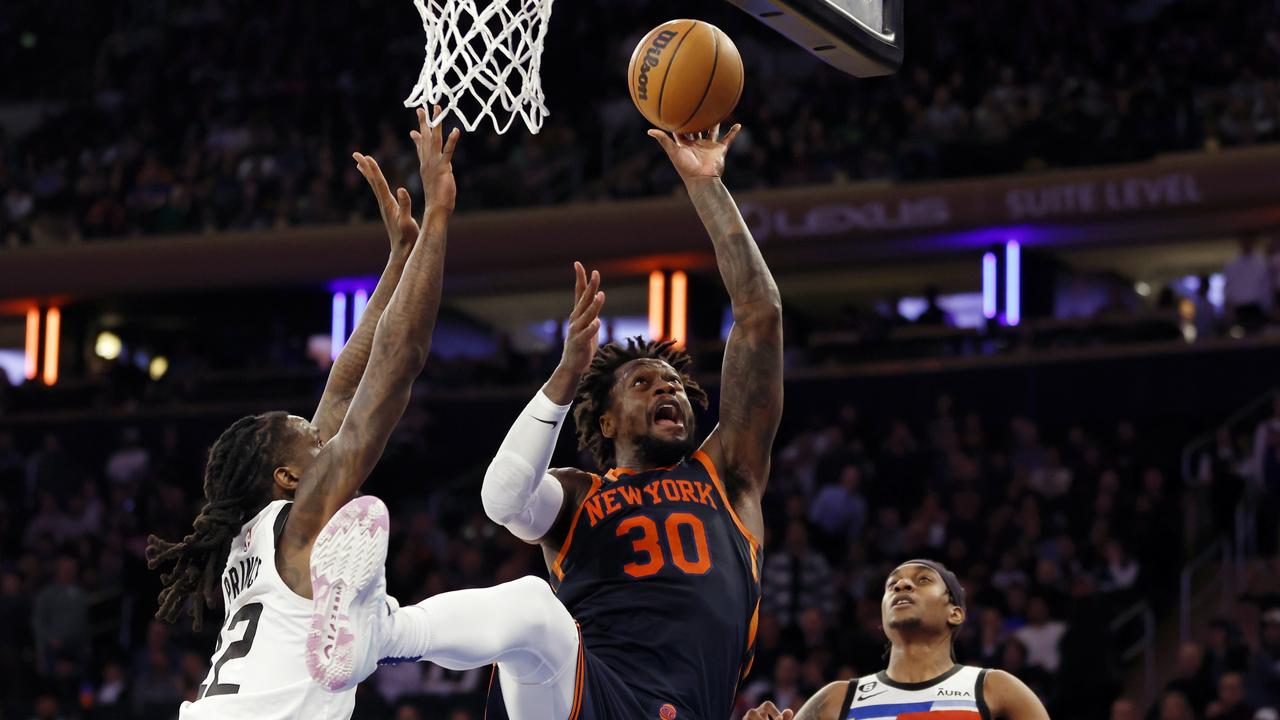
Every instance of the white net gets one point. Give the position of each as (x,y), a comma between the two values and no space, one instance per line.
(483,60)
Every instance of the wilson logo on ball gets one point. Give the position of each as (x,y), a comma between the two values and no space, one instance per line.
(685,76)
(651,59)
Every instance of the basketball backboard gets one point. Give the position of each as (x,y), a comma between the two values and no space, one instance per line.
(861,37)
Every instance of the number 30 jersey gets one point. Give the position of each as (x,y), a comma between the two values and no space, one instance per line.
(259,669)
(664,581)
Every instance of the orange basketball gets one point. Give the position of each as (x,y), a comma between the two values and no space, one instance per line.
(685,76)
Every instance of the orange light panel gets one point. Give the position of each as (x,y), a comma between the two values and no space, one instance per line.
(657,304)
(52,326)
(33,343)
(679,307)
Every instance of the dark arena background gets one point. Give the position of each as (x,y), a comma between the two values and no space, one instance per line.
(1032,296)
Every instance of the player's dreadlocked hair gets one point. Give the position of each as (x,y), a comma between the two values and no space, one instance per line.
(592,398)
(236,484)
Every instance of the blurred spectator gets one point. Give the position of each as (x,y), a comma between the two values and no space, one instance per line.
(1264,679)
(1175,706)
(60,618)
(15,637)
(1121,570)
(783,687)
(1052,480)
(157,687)
(47,707)
(408,712)
(799,578)
(1125,709)
(110,700)
(1248,292)
(52,470)
(1192,677)
(1041,635)
(839,512)
(1218,482)
(1206,314)
(1226,651)
(49,524)
(1230,704)
(1266,469)
(1014,660)
(130,461)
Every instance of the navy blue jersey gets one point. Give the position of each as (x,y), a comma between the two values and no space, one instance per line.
(664,581)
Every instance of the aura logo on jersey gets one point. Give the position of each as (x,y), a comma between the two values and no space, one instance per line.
(651,58)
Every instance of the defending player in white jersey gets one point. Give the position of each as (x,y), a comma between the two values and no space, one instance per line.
(280,515)
(922,610)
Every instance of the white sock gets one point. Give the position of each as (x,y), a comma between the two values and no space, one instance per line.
(520,625)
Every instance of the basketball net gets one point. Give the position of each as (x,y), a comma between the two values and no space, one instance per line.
(483,60)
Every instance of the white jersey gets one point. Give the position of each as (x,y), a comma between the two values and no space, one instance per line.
(954,695)
(259,668)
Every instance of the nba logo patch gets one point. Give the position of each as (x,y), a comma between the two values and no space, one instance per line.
(667,712)
(248,538)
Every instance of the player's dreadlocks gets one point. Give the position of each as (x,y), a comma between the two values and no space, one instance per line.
(236,484)
(592,398)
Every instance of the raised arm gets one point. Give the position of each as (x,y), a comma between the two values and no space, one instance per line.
(400,346)
(519,492)
(751,377)
(402,229)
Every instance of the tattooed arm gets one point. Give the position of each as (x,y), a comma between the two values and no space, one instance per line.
(824,705)
(344,376)
(751,377)
(399,351)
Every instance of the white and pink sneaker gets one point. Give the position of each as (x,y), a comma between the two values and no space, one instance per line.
(349,595)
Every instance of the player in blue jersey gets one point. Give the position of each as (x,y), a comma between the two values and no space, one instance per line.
(656,563)
(922,610)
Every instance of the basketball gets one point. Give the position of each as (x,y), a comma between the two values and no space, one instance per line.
(685,76)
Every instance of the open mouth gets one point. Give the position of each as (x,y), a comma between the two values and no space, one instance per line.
(668,414)
(902,601)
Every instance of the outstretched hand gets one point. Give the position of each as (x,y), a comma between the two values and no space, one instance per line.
(697,157)
(396,210)
(435,163)
(768,711)
(582,338)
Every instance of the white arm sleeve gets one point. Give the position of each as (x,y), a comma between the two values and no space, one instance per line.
(518,493)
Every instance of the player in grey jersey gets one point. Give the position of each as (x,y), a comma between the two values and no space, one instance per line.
(922,610)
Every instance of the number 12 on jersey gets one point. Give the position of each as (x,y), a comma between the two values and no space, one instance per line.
(646,541)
